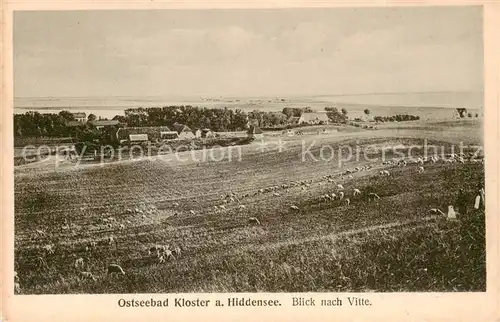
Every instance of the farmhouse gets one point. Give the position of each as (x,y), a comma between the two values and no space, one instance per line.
(313,118)
(149,133)
(80,117)
(101,124)
(184,132)
(255,132)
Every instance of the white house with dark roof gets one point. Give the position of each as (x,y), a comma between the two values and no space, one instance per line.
(80,117)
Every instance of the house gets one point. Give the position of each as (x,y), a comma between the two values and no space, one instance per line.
(169,135)
(73,124)
(197,133)
(80,117)
(151,133)
(255,132)
(136,138)
(101,124)
(314,118)
(294,120)
(207,133)
(185,133)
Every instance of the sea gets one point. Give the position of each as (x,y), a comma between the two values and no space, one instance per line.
(434,105)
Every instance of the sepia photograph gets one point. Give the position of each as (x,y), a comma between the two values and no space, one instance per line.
(266,150)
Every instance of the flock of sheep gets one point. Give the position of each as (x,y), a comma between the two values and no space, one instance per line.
(340,194)
(163,253)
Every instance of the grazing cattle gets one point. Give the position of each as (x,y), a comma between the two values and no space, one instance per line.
(334,196)
(40,232)
(253,220)
(294,207)
(356,192)
(192,212)
(222,207)
(340,187)
(17,288)
(348,201)
(372,196)
(420,169)
(110,240)
(242,207)
(122,226)
(341,195)
(175,204)
(115,269)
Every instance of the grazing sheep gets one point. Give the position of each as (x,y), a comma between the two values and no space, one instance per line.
(157,248)
(294,207)
(88,275)
(340,187)
(253,220)
(175,204)
(16,278)
(350,176)
(341,195)
(40,262)
(109,225)
(373,196)
(144,217)
(437,211)
(242,207)
(222,207)
(420,169)
(161,259)
(17,288)
(348,201)
(276,194)
(79,262)
(49,249)
(176,251)
(356,192)
(114,268)
(191,212)
(40,232)
(110,240)
(122,226)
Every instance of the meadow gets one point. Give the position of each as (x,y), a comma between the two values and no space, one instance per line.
(391,244)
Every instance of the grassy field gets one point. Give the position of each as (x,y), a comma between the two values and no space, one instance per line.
(392,244)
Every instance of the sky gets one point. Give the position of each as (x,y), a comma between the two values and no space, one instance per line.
(272,52)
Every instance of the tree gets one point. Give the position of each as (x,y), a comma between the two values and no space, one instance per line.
(67,116)
(334,115)
(469,114)
(367,111)
(91,117)
(344,111)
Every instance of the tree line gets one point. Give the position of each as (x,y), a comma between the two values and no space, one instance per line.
(396,118)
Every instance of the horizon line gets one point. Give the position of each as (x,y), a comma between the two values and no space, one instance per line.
(256,96)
